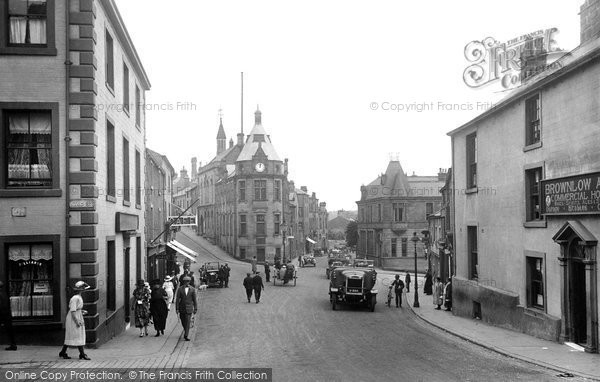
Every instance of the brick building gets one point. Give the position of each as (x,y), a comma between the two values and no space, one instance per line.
(391,209)
(71,203)
(526,253)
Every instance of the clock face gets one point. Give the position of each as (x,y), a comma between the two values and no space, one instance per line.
(260,167)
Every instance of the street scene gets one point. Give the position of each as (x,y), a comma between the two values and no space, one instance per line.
(325,191)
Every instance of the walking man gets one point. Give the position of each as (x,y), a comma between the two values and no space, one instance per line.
(248,284)
(186,305)
(407,282)
(6,317)
(398,286)
(267,271)
(258,285)
(226,271)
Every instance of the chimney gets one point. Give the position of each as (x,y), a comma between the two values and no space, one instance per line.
(304,188)
(230,142)
(183,173)
(285,167)
(442,174)
(589,16)
(257,116)
(240,139)
(194,167)
(314,195)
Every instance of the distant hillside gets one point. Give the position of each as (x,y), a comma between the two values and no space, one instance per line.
(350,215)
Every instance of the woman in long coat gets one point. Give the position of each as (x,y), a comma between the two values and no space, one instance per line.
(438,293)
(158,308)
(141,307)
(74,323)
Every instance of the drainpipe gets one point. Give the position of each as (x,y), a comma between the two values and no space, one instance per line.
(68,64)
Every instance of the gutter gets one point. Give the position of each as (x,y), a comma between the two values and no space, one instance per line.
(68,64)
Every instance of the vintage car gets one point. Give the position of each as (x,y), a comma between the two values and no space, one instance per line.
(335,262)
(308,260)
(285,274)
(212,275)
(353,286)
(362,263)
(317,252)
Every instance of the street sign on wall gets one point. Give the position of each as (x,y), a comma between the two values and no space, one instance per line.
(573,195)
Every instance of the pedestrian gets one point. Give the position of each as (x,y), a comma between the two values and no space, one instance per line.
(398,287)
(438,291)
(407,282)
(448,296)
(267,271)
(174,281)
(221,274)
(253,262)
(227,272)
(300,260)
(6,317)
(257,284)
(74,323)
(248,285)
(186,305)
(428,283)
(141,307)
(159,308)
(170,290)
(277,262)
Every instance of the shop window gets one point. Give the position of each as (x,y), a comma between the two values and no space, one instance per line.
(31,279)
(535,282)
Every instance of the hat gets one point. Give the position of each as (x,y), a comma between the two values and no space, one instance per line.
(168,278)
(187,278)
(140,282)
(81,285)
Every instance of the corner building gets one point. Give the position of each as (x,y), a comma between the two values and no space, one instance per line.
(73,128)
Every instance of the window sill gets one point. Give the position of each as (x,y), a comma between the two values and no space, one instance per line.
(28,51)
(534,311)
(126,203)
(25,193)
(110,198)
(472,190)
(535,224)
(532,146)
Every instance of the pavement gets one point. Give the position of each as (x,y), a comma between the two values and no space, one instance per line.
(127,350)
(559,357)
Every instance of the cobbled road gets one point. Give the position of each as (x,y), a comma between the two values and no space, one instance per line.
(294,331)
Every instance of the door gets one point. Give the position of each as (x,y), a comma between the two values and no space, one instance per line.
(577,294)
(260,254)
(126,283)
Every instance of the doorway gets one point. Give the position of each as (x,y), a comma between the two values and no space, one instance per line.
(577,293)
(126,283)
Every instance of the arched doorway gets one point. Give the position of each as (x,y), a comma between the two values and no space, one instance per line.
(578,282)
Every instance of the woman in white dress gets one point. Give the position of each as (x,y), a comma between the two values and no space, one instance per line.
(168,287)
(74,324)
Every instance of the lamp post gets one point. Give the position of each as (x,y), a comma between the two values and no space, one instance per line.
(414,239)
(284,232)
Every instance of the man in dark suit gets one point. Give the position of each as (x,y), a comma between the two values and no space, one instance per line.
(186,305)
(6,317)
(267,271)
(226,271)
(248,284)
(257,284)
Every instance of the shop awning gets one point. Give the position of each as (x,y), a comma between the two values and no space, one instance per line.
(182,252)
(310,240)
(186,249)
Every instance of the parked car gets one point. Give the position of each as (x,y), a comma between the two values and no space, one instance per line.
(308,260)
(353,286)
(211,274)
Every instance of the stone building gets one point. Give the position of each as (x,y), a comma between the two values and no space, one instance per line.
(526,252)
(72,205)
(441,260)
(391,209)
(158,205)
(246,204)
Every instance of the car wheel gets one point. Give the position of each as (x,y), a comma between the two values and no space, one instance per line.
(373,302)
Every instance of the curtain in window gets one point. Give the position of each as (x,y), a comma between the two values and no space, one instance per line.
(30,274)
(37,31)
(30,138)
(18,30)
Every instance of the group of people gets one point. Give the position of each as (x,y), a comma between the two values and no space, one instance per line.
(442,294)
(253,283)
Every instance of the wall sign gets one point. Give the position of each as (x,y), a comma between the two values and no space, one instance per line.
(18,212)
(573,195)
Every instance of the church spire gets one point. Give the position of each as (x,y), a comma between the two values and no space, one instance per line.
(221,137)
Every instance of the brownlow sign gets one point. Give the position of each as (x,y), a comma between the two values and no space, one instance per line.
(573,195)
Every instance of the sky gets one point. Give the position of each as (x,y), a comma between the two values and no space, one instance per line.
(343,86)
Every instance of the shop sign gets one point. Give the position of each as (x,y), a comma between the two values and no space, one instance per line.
(573,195)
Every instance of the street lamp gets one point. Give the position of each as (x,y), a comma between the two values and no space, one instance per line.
(415,239)
(284,232)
